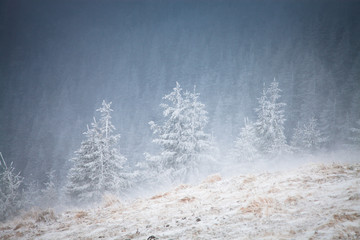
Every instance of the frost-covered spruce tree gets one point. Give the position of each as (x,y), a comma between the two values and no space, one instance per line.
(199,145)
(184,144)
(115,178)
(269,125)
(246,145)
(84,176)
(307,138)
(98,167)
(10,195)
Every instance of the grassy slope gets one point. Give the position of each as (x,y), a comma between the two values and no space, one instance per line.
(317,201)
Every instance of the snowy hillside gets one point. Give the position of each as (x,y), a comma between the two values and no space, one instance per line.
(316,201)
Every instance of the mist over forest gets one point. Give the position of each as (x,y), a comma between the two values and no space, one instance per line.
(60,59)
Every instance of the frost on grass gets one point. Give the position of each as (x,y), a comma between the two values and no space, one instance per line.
(318,201)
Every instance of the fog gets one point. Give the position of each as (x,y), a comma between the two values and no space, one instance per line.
(60,59)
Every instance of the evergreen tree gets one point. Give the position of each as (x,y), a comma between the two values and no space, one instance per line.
(269,125)
(98,166)
(307,137)
(200,145)
(246,145)
(114,178)
(10,196)
(182,139)
(84,176)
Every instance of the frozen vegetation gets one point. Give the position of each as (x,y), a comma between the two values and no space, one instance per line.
(98,166)
(314,201)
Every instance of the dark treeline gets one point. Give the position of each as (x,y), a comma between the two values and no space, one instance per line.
(61,58)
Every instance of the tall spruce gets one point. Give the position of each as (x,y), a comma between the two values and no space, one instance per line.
(183,142)
(115,176)
(98,167)
(269,125)
(84,182)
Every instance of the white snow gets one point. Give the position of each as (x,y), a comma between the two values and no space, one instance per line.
(315,201)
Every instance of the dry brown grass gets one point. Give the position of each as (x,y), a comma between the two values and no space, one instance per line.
(110,200)
(355,197)
(19,234)
(259,206)
(293,200)
(7,236)
(63,227)
(181,187)
(133,235)
(330,224)
(347,217)
(5,228)
(249,179)
(157,197)
(339,219)
(39,215)
(160,196)
(187,199)
(212,179)
(28,222)
(18,226)
(334,168)
(46,216)
(81,214)
(259,201)
(347,232)
(274,190)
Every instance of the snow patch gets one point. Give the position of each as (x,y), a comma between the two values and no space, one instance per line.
(316,201)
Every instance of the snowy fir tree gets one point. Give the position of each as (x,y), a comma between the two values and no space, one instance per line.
(200,147)
(269,125)
(10,195)
(84,176)
(115,176)
(98,165)
(246,145)
(307,137)
(184,144)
